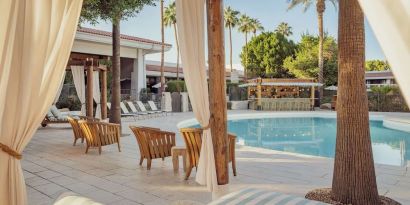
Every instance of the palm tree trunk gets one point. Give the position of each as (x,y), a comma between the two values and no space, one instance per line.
(320,10)
(246,55)
(177,43)
(162,89)
(354,179)
(115,110)
(230,48)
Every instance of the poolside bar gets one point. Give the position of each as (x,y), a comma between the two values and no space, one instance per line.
(281,94)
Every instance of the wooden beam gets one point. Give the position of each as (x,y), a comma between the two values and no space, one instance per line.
(217,95)
(103,94)
(90,100)
(312,96)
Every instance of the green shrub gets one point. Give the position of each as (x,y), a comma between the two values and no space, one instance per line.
(145,95)
(176,86)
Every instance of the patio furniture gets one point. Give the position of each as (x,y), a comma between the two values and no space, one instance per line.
(57,116)
(153,143)
(124,111)
(251,196)
(135,110)
(78,133)
(155,108)
(144,110)
(98,134)
(176,152)
(193,141)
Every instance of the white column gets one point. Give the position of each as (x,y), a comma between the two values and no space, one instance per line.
(138,73)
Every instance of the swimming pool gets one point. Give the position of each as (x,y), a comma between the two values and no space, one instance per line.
(317,136)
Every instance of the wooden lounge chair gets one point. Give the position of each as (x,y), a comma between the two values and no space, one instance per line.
(98,134)
(193,141)
(78,133)
(153,143)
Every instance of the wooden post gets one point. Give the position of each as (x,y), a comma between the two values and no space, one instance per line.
(103,94)
(90,100)
(312,97)
(259,95)
(217,96)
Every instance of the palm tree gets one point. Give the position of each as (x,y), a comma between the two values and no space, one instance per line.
(320,9)
(162,89)
(284,29)
(256,26)
(354,179)
(231,21)
(170,19)
(245,27)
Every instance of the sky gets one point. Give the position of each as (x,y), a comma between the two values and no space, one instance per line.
(146,24)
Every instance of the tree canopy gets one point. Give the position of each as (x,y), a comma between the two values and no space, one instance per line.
(284,29)
(377,65)
(305,64)
(266,53)
(111,10)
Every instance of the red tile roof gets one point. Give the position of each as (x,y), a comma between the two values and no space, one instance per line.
(125,37)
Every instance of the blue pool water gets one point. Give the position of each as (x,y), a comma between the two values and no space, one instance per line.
(317,136)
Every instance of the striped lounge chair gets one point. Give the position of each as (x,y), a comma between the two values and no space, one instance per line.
(253,196)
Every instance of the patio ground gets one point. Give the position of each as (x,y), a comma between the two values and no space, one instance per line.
(52,166)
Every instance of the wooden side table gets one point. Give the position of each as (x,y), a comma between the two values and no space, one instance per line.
(176,152)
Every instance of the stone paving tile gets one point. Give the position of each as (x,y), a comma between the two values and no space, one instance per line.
(36,181)
(137,196)
(51,189)
(80,187)
(48,174)
(52,166)
(63,180)
(103,196)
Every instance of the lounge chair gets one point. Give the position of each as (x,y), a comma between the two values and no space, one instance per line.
(153,143)
(134,109)
(57,116)
(155,108)
(124,111)
(142,107)
(78,134)
(193,141)
(98,134)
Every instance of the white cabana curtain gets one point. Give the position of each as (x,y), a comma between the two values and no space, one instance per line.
(60,88)
(35,43)
(190,18)
(96,93)
(79,84)
(390,21)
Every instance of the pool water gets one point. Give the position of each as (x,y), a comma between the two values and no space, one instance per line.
(317,136)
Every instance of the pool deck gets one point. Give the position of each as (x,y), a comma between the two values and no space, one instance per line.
(53,166)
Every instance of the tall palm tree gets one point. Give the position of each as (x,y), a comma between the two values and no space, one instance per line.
(320,9)
(245,27)
(170,19)
(354,178)
(256,26)
(162,89)
(284,29)
(231,21)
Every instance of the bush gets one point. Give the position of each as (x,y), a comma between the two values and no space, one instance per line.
(173,85)
(145,95)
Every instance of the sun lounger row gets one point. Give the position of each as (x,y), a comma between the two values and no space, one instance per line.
(141,111)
